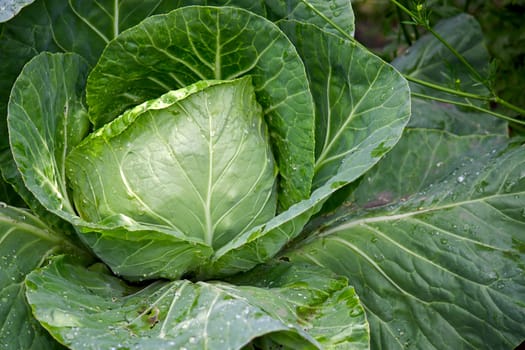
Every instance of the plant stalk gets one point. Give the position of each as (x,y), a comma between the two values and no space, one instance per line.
(471,106)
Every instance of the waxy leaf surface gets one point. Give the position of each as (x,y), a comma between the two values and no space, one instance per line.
(429,60)
(196,160)
(89,308)
(361,109)
(25,244)
(86,27)
(46,119)
(445,255)
(171,51)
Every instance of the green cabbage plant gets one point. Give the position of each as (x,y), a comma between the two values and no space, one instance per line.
(201,174)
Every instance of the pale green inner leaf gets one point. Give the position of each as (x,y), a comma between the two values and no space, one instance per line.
(197,160)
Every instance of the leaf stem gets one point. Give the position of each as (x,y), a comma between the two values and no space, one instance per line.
(508,105)
(471,106)
(465,94)
(447,90)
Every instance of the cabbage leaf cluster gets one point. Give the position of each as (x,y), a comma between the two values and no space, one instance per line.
(213,174)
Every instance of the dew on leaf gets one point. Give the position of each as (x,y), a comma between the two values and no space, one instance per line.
(379,257)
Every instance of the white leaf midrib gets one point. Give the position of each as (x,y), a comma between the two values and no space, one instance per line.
(394,217)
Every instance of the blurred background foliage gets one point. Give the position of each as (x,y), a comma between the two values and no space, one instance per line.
(384,29)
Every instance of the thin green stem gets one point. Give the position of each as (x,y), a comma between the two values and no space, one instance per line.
(494,99)
(508,105)
(403,8)
(447,90)
(471,106)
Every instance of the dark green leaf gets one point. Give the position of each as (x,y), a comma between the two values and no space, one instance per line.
(89,308)
(362,103)
(442,266)
(413,169)
(429,60)
(435,115)
(25,243)
(327,309)
(22,197)
(334,16)
(8,194)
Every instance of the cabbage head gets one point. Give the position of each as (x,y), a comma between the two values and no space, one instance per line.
(204,139)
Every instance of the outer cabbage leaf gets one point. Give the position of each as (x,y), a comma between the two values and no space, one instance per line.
(447,256)
(25,243)
(362,131)
(83,27)
(190,44)
(334,16)
(356,107)
(46,120)
(440,116)
(327,309)
(463,33)
(437,155)
(94,309)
